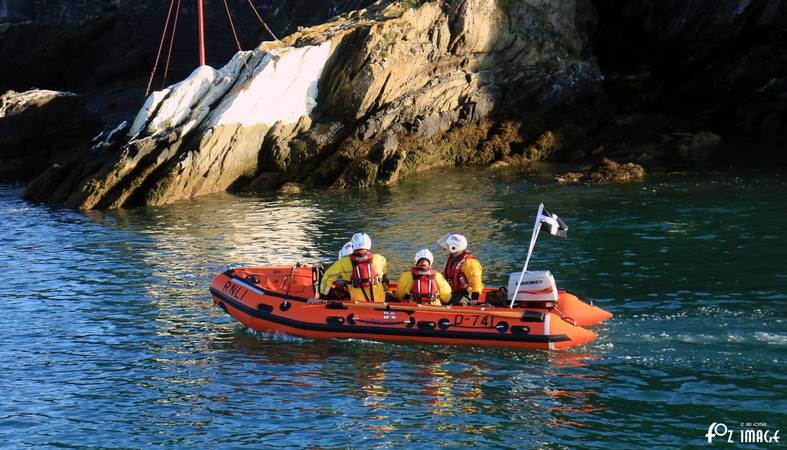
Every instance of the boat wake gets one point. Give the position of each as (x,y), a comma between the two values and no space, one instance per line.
(275,336)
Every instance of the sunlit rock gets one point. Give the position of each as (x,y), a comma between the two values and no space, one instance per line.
(362,100)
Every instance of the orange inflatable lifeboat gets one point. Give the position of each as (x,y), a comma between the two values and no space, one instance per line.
(284,300)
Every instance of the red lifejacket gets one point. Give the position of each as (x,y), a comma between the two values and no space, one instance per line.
(363,275)
(424,288)
(453,270)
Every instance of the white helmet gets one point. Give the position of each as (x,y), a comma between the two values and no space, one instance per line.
(361,241)
(346,249)
(423,254)
(455,243)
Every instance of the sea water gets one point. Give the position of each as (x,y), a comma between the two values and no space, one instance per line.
(109,338)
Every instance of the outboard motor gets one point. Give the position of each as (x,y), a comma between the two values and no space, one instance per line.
(537,286)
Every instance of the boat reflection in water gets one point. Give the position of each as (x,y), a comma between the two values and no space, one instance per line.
(226,229)
(394,387)
(190,241)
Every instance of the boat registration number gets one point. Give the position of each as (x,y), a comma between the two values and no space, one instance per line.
(474,320)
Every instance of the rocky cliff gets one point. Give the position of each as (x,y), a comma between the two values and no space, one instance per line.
(400,87)
(361,100)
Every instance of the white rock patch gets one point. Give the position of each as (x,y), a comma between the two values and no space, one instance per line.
(177,106)
(283,87)
(187,103)
(145,112)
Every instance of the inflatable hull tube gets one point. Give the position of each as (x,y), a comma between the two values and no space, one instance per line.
(579,312)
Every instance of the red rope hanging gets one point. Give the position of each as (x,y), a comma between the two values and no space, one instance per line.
(160,47)
(253,8)
(232,25)
(171,44)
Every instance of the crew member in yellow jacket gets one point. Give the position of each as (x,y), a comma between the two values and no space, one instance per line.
(362,270)
(422,284)
(462,270)
(338,289)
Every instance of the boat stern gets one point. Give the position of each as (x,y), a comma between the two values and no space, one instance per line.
(564,335)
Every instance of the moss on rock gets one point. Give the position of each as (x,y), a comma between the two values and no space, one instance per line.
(361,174)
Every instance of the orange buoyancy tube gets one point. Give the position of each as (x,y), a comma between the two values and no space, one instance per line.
(364,275)
(453,270)
(424,288)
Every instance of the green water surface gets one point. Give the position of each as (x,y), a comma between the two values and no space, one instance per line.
(109,339)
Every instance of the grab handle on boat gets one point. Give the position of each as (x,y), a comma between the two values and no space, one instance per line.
(532,316)
(335,320)
(426,325)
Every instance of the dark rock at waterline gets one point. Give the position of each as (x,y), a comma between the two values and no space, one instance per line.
(605,171)
(571,177)
(39,128)
(291,188)
(608,171)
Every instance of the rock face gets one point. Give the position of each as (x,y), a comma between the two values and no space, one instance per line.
(364,99)
(40,127)
(198,136)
